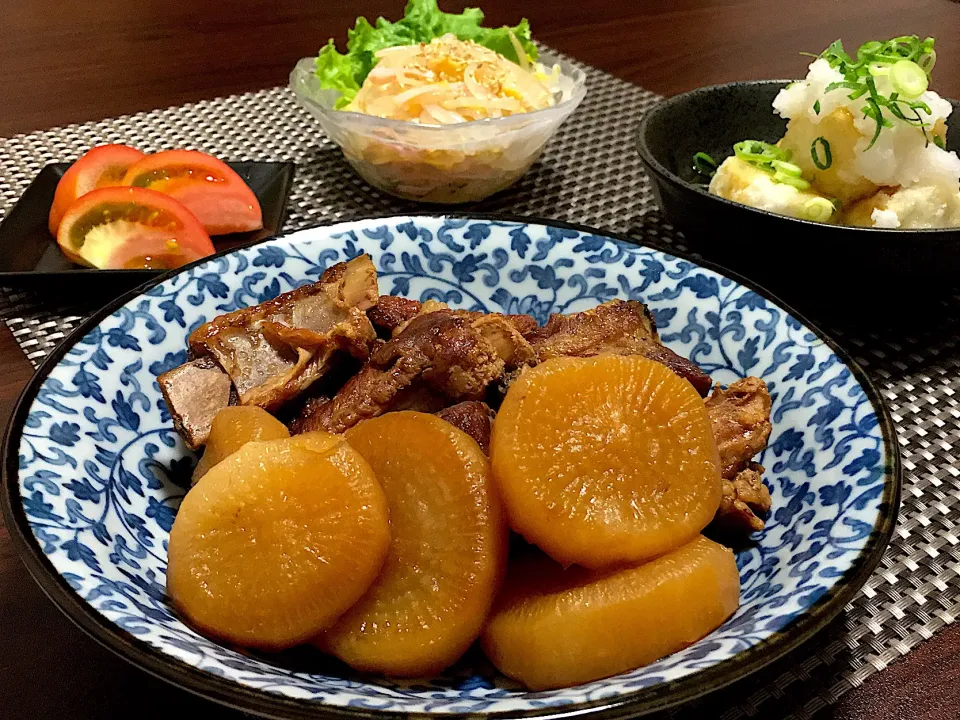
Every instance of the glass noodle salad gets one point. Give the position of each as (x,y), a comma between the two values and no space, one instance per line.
(436,107)
(437,68)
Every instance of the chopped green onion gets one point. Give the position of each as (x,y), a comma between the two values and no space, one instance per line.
(908,79)
(818,209)
(758,152)
(797,182)
(857,88)
(938,141)
(825,149)
(906,60)
(787,167)
(704,164)
(869,49)
(816,107)
(771,159)
(872,110)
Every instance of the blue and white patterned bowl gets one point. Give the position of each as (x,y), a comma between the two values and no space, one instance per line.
(92,461)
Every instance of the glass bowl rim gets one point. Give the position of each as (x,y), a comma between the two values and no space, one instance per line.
(303,71)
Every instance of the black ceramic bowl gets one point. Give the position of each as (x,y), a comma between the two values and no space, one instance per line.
(791,255)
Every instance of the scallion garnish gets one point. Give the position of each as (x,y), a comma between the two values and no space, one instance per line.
(757,152)
(798,182)
(818,209)
(704,165)
(907,61)
(928,60)
(773,160)
(825,150)
(787,168)
(908,79)
(938,141)
(816,107)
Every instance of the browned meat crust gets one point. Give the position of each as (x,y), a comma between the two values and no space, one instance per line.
(503,335)
(744,499)
(525,324)
(681,366)
(451,354)
(352,283)
(472,417)
(195,392)
(618,327)
(392,313)
(445,350)
(315,307)
(740,416)
(615,327)
(274,351)
(367,394)
(741,422)
(419,398)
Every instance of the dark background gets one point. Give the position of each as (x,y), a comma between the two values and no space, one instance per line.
(64,61)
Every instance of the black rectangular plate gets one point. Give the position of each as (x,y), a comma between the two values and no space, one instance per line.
(30,256)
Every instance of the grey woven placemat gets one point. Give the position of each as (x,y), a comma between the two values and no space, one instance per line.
(591,174)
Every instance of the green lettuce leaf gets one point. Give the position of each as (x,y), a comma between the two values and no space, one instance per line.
(338,72)
(422,22)
(498,39)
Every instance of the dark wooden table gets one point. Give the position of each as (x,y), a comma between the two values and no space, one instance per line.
(72,61)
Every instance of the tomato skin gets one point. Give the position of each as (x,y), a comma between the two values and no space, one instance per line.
(210,188)
(102,166)
(129,227)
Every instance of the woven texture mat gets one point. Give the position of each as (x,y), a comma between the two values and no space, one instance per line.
(590,174)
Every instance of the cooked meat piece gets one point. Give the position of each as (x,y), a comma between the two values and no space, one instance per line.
(446,351)
(419,398)
(526,325)
(472,417)
(392,313)
(453,356)
(618,327)
(681,366)
(367,394)
(274,351)
(316,307)
(195,392)
(503,335)
(352,283)
(741,422)
(303,420)
(744,499)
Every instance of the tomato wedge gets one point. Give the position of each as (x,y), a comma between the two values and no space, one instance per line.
(102,166)
(130,228)
(209,187)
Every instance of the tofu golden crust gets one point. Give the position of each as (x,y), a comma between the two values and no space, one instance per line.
(741,182)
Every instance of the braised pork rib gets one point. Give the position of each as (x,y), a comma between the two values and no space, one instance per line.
(272,352)
(740,415)
(433,359)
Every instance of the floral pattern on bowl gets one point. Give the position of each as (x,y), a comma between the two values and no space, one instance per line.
(95,470)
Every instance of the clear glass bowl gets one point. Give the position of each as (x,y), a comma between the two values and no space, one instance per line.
(437,163)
